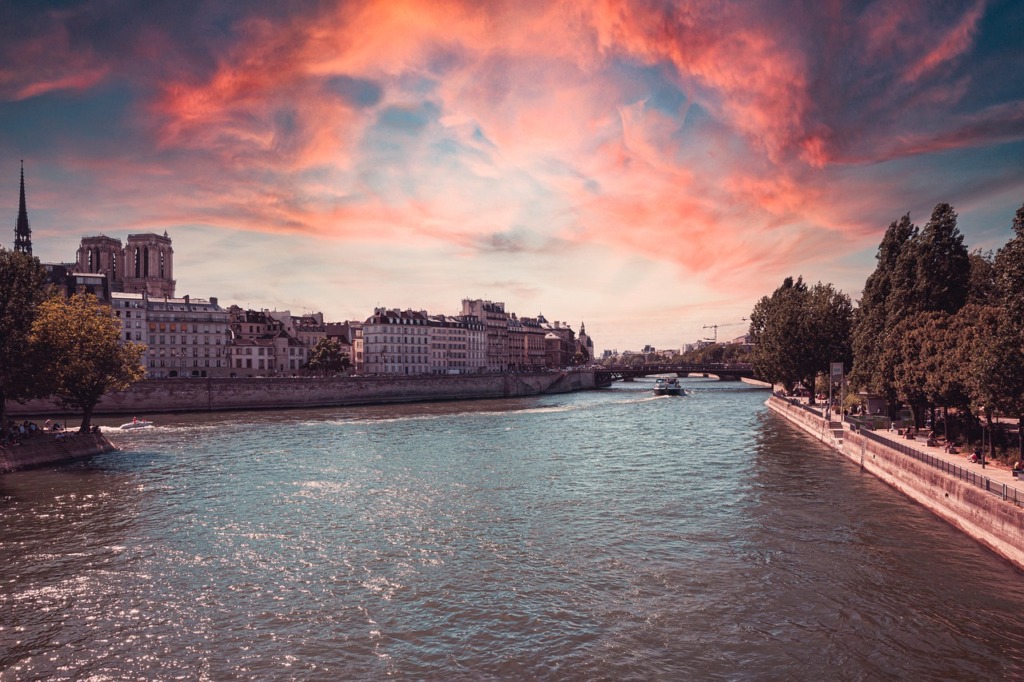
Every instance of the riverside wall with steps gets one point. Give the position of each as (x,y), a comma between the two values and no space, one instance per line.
(996,523)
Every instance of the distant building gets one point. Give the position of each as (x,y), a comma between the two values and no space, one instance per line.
(349,336)
(22,231)
(144,265)
(397,342)
(495,321)
(69,282)
(458,344)
(535,356)
(185,337)
(261,344)
(586,343)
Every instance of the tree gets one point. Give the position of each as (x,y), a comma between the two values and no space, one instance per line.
(933,273)
(872,319)
(79,353)
(327,357)
(775,322)
(981,281)
(828,320)
(1007,351)
(1009,270)
(22,289)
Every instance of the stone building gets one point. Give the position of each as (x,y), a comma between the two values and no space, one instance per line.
(261,344)
(535,354)
(458,344)
(145,264)
(185,337)
(495,321)
(349,335)
(396,342)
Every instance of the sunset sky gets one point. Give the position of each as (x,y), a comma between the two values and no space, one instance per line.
(647,168)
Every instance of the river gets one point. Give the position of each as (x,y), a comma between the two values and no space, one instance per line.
(597,535)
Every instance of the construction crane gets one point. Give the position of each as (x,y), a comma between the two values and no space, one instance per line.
(716,326)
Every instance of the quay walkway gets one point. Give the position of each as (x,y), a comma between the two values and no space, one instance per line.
(994,477)
(986,503)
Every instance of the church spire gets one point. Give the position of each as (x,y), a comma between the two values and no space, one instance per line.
(22,232)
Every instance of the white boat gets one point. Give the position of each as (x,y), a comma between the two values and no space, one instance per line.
(137,424)
(668,387)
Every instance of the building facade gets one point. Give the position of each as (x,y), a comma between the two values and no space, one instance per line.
(145,264)
(397,342)
(185,337)
(458,345)
(261,344)
(495,321)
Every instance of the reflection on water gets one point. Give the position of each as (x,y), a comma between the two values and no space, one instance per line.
(605,535)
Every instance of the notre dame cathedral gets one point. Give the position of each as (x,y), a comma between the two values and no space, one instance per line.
(144,265)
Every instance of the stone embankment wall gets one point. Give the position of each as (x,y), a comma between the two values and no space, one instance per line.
(45,449)
(994,522)
(209,395)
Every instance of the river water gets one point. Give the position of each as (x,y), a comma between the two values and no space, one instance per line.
(599,535)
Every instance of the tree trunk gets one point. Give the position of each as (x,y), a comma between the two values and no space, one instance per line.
(86,419)
(3,411)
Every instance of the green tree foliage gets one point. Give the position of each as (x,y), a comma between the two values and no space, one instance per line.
(981,280)
(933,272)
(828,322)
(872,319)
(798,331)
(79,355)
(917,272)
(774,324)
(927,369)
(22,289)
(327,357)
(1009,270)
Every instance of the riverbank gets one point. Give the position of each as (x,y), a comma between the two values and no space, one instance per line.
(47,449)
(214,395)
(986,503)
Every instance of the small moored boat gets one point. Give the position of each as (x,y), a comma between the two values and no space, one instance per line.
(668,387)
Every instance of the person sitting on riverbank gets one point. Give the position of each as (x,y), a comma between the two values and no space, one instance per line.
(1018,467)
(976,456)
(952,449)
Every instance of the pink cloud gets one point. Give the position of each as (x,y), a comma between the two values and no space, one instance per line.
(953,44)
(533,133)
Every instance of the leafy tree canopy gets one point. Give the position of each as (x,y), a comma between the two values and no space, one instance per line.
(22,288)
(79,353)
(327,357)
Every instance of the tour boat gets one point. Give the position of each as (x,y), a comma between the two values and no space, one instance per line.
(668,387)
(137,424)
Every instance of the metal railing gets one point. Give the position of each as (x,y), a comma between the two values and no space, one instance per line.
(1006,492)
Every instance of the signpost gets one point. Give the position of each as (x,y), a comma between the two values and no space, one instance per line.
(835,374)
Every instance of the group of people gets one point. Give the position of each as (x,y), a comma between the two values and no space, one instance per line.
(15,433)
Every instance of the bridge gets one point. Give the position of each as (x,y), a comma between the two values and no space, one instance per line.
(724,371)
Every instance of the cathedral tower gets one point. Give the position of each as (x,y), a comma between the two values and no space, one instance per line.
(149,265)
(104,255)
(22,232)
